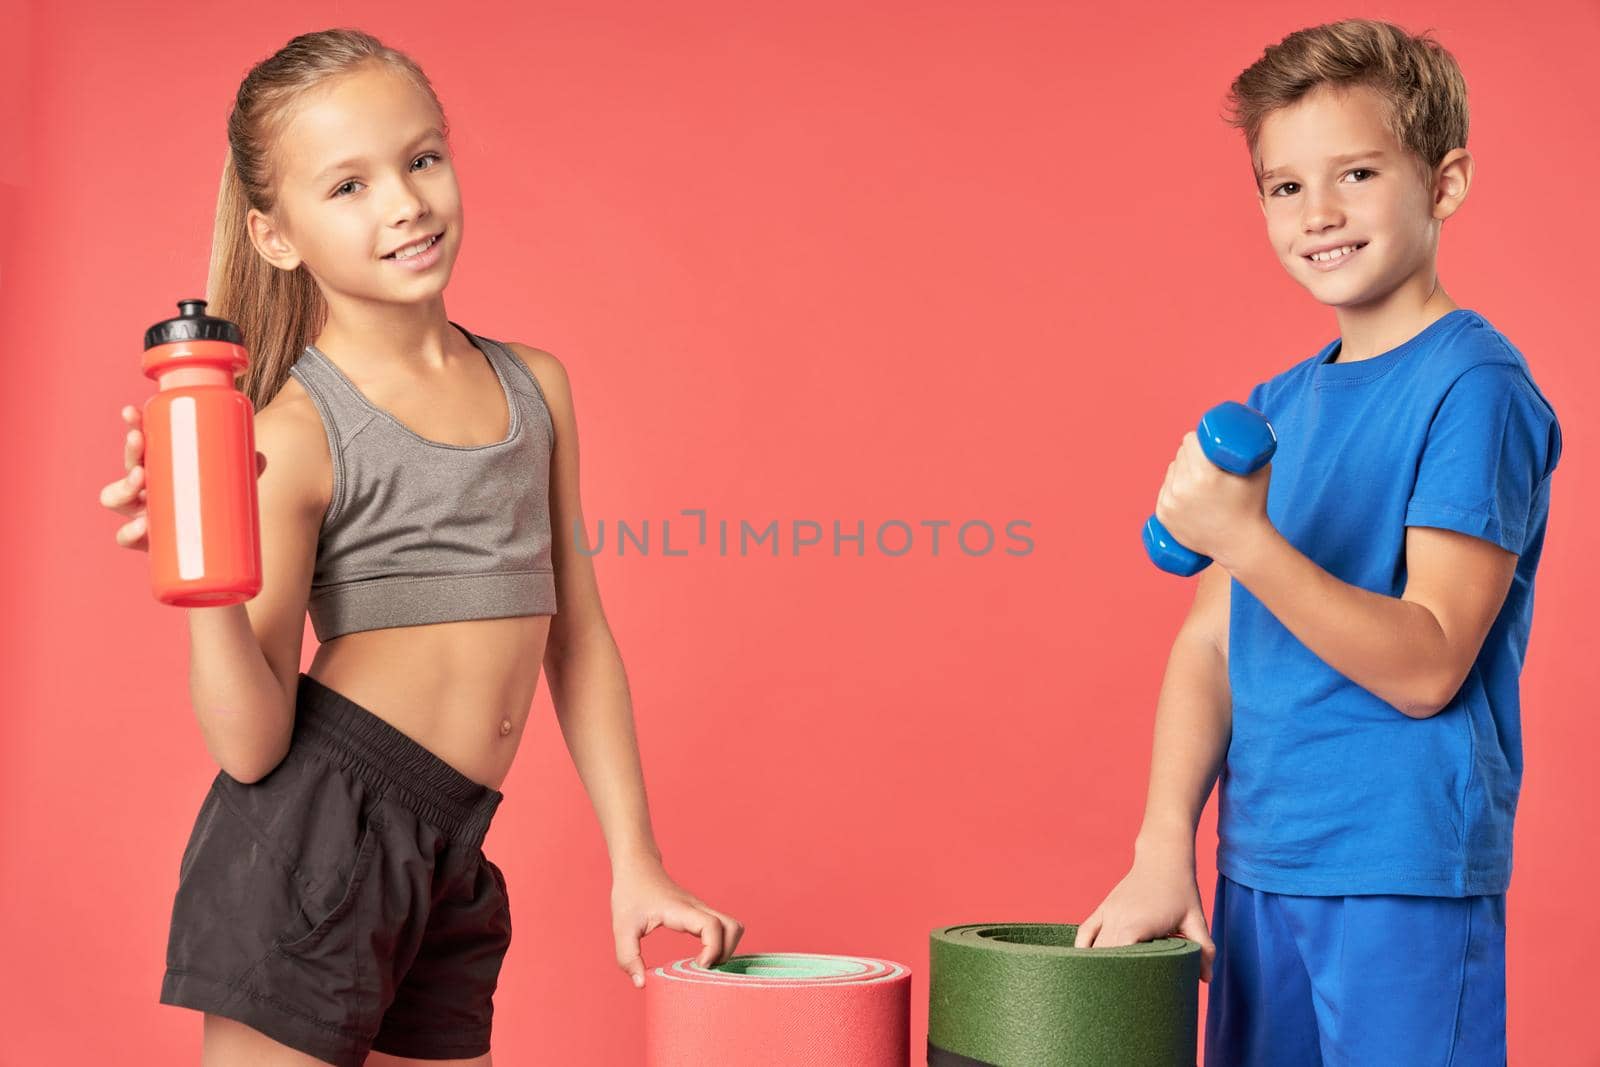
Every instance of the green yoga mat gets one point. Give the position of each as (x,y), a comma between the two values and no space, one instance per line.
(1019,995)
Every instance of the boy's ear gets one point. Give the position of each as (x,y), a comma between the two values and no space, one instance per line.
(1451,180)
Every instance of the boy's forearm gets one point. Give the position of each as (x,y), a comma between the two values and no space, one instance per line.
(1194,723)
(245,716)
(1392,648)
(589,688)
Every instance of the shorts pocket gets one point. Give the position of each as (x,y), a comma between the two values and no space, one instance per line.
(292,943)
(328,966)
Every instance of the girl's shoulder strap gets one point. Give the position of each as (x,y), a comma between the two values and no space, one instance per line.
(344,410)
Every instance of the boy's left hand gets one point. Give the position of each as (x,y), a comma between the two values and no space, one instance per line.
(1209,510)
(643,897)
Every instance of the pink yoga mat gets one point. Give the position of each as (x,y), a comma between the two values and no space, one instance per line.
(786,1009)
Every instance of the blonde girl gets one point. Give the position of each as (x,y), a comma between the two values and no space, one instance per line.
(416,483)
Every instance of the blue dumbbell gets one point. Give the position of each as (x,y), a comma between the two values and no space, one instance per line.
(1236,438)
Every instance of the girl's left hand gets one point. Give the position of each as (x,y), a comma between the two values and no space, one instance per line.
(1209,510)
(643,897)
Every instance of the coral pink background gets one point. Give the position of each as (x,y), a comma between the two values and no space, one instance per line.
(826,261)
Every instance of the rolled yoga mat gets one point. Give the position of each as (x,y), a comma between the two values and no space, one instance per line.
(1013,994)
(779,1009)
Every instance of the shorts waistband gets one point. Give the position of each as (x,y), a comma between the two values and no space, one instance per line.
(359,741)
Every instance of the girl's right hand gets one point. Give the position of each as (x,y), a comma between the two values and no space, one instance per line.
(126,495)
(1157,898)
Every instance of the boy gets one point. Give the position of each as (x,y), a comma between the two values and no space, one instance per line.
(1352,659)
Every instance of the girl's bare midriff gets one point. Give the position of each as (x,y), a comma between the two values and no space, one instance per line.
(461,690)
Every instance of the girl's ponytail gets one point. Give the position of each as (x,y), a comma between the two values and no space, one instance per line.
(279,312)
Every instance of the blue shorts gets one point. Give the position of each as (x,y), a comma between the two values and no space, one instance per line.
(1357,981)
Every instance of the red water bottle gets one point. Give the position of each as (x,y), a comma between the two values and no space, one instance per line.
(200,463)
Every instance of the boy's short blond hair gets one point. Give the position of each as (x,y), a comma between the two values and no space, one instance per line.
(1424,93)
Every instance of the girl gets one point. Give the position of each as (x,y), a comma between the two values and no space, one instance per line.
(333,897)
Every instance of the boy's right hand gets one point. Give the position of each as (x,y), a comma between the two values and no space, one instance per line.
(126,495)
(1156,898)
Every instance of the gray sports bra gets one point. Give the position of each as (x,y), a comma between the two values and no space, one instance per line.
(418,531)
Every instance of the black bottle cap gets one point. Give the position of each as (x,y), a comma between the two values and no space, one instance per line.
(192,325)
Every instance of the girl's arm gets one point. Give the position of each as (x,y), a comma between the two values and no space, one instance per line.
(588,684)
(590,692)
(244,659)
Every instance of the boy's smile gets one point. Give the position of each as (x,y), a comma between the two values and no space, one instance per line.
(1333,258)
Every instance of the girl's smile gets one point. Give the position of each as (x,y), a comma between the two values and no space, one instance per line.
(419,261)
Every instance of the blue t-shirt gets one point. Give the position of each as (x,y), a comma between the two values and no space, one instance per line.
(1328,790)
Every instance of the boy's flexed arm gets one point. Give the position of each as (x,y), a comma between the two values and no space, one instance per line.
(1411,651)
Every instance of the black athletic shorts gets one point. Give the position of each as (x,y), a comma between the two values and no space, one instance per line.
(343,902)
